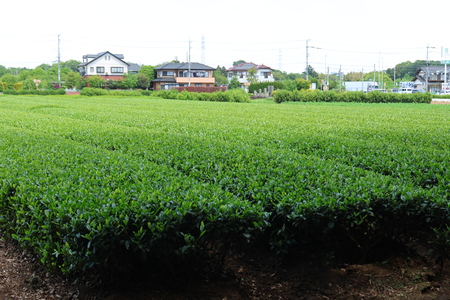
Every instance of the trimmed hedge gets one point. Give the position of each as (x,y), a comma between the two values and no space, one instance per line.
(201,89)
(332,96)
(35,92)
(277,85)
(234,95)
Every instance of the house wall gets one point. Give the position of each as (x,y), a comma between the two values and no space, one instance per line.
(106,61)
(259,76)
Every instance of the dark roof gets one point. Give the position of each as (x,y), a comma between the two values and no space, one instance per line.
(134,68)
(432,69)
(98,55)
(247,66)
(184,66)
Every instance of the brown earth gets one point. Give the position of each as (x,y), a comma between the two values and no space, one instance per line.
(249,275)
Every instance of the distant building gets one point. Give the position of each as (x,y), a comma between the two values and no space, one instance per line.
(106,65)
(172,75)
(433,76)
(263,73)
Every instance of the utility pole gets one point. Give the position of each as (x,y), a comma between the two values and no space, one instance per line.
(59,65)
(307,54)
(189,63)
(427,75)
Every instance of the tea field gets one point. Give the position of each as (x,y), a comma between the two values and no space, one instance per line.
(117,183)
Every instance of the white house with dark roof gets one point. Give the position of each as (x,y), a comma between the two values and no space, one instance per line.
(263,73)
(107,65)
(172,75)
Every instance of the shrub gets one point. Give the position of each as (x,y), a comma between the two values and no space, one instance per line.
(255,87)
(18,86)
(93,92)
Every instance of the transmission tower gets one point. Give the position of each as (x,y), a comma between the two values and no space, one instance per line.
(203,49)
(280,61)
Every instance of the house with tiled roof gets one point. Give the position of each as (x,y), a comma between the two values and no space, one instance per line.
(172,75)
(107,65)
(263,73)
(431,78)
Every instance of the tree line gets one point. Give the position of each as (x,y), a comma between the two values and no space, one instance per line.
(46,76)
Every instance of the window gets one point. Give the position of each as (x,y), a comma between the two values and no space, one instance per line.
(100,69)
(168,73)
(198,84)
(116,69)
(91,69)
(266,74)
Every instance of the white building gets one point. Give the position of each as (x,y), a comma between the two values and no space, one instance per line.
(106,65)
(263,73)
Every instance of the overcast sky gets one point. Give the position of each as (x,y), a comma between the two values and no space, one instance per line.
(352,35)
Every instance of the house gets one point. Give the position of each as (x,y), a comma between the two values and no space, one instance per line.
(263,73)
(172,75)
(107,65)
(431,78)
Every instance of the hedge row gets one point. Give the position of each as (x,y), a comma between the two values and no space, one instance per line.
(332,96)
(236,95)
(35,92)
(255,87)
(201,89)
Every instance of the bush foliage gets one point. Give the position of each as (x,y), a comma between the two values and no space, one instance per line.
(332,96)
(114,185)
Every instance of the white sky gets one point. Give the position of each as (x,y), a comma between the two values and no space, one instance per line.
(353,35)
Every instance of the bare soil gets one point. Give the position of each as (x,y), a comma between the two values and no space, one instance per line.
(250,275)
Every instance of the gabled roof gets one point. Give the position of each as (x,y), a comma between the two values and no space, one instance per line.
(184,66)
(134,68)
(247,66)
(431,69)
(98,55)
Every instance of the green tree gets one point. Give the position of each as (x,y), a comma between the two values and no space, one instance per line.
(311,72)
(44,67)
(251,75)
(131,81)
(9,79)
(71,64)
(39,73)
(142,81)
(353,76)
(279,75)
(289,85)
(220,78)
(148,71)
(96,81)
(235,63)
(234,83)
(72,79)
(381,77)
(24,75)
(302,84)
(3,70)
(29,84)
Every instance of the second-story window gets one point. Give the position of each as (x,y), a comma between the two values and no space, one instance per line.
(168,73)
(100,69)
(116,69)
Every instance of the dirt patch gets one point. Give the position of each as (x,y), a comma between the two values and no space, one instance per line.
(250,275)
(440,101)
